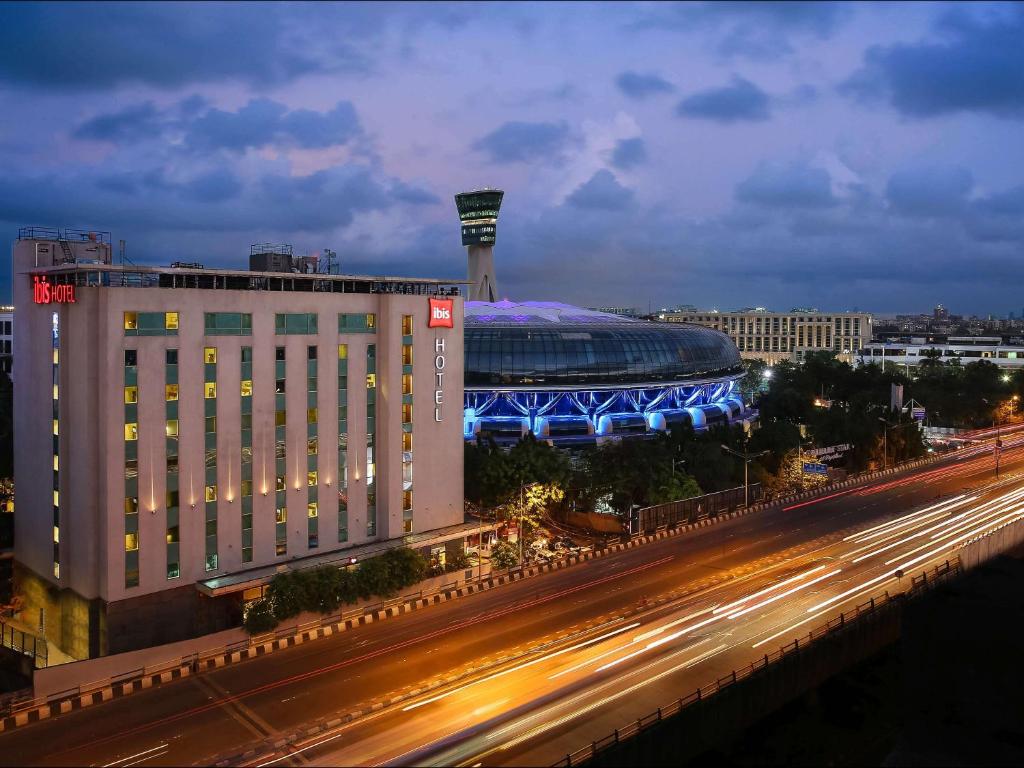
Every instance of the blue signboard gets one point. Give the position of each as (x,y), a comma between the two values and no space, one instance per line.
(815,469)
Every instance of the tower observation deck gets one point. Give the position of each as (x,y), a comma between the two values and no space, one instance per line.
(478,213)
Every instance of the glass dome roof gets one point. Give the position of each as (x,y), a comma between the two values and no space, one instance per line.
(546,344)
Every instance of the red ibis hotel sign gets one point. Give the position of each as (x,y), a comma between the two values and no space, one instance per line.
(441,312)
(45,292)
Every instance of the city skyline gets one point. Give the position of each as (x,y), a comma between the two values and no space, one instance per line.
(786,155)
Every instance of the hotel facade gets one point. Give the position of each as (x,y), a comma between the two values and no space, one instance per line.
(185,433)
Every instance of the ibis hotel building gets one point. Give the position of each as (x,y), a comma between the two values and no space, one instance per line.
(185,433)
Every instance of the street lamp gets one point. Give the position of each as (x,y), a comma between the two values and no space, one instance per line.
(885,441)
(747,458)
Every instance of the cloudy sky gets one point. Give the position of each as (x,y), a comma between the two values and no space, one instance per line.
(721,155)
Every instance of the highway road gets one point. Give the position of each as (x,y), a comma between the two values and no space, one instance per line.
(593,646)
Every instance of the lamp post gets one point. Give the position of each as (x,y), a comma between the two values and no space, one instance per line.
(747,458)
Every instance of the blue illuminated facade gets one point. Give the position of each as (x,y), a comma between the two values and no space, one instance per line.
(576,375)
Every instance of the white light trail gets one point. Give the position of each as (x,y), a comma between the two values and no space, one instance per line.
(863,535)
(728,607)
(516,668)
(787,593)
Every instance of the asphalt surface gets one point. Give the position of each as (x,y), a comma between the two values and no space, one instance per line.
(554,696)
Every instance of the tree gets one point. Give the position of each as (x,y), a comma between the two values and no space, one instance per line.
(529,504)
(504,555)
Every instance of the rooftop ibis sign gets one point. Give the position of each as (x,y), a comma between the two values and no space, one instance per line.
(45,292)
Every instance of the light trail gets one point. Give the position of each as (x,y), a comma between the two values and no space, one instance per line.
(919,533)
(608,699)
(538,660)
(727,608)
(132,757)
(787,593)
(893,525)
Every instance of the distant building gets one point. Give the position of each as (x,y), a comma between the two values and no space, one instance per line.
(940,312)
(6,339)
(621,311)
(774,336)
(910,351)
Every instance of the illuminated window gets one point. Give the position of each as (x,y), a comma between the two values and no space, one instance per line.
(131,394)
(246,489)
(371,320)
(407,413)
(56,357)
(211,493)
(311,509)
(312,446)
(246,387)
(56,570)
(371,380)
(171,392)
(55,392)
(56,498)
(56,462)
(280,418)
(406,325)
(279,485)
(131,542)
(311,415)
(281,515)
(56,535)
(210,354)
(210,389)
(342,352)
(311,477)
(406,383)
(131,321)
(55,429)
(172,427)
(407,354)
(406,501)
(171,321)
(131,431)
(407,441)
(131,505)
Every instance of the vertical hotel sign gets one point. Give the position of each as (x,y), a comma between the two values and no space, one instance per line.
(441,316)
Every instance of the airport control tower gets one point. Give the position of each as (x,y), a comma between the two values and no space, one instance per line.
(478,212)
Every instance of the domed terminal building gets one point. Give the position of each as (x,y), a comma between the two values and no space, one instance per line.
(575,375)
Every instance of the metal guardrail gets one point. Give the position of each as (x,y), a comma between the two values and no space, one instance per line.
(696,508)
(635,727)
(24,643)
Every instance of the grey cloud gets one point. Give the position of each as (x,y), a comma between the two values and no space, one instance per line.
(929,192)
(601,192)
(133,123)
(638,85)
(754,30)
(787,186)
(262,122)
(526,142)
(629,153)
(977,67)
(739,101)
(101,45)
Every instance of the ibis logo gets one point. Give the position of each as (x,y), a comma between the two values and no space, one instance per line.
(45,292)
(441,311)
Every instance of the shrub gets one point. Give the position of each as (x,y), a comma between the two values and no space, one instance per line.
(457,562)
(260,617)
(504,555)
